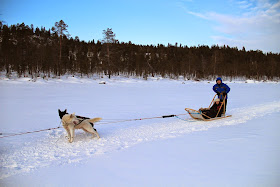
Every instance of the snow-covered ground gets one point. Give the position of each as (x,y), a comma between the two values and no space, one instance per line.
(243,150)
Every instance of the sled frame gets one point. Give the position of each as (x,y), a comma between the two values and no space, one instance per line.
(197,115)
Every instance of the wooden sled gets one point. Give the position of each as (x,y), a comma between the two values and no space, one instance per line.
(197,115)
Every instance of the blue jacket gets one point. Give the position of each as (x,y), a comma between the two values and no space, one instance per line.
(221,89)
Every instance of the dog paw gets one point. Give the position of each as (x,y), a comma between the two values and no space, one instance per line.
(70,140)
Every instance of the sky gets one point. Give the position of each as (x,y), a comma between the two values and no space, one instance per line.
(254,24)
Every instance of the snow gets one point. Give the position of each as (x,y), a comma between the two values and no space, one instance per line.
(249,81)
(239,151)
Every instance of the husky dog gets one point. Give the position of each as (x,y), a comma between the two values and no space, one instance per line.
(71,122)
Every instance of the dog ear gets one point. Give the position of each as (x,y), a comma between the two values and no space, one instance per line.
(65,110)
(72,115)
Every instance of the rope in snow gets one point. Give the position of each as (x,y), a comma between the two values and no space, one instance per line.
(166,116)
(29,132)
(127,120)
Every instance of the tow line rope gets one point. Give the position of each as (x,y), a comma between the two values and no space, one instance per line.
(100,123)
(28,132)
(166,116)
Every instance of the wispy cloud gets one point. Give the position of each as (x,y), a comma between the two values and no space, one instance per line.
(256,28)
(245,4)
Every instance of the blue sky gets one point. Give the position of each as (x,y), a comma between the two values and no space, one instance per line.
(254,24)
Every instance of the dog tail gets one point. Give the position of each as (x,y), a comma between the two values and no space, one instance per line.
(94,120)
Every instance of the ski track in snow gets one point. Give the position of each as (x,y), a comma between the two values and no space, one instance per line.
(52,148)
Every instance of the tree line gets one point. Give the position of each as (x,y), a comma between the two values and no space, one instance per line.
(35,52)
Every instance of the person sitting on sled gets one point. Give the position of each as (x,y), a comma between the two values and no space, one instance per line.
(213,111)
(222,90)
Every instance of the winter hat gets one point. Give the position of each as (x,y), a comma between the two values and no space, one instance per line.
(219,79)
(217,100)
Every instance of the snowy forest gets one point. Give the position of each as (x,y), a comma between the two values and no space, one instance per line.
(41,52)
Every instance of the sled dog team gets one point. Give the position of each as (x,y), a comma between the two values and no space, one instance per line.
(70,122)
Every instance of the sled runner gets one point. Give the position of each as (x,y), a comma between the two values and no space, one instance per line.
(198,115)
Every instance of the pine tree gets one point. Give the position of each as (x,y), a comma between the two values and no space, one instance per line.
(108,38)
(60,29)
